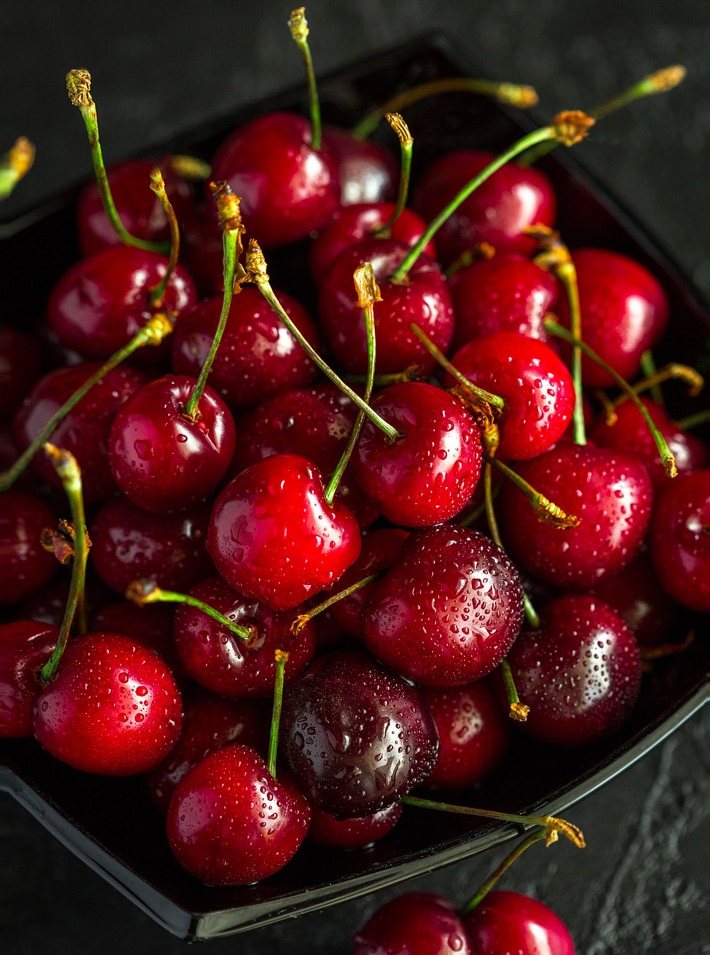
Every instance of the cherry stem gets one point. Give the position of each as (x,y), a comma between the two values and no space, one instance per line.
(303,619)
(15,165)
(256,272)
(281,658)
(368,292)
(673,371)
(530,840)
(648,369)
(79,90)
(228,211)
(516,710)
(694,420)
(191,168)
(298,25)
(152,333)
(545,509)
(69,473)
(406,143)
(511,94)
(553,826)
(664,451)
(569,127)
(146,591)
(157,184)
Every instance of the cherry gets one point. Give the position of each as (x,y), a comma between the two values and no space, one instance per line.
(129,543)
(355,735)
(414,923)
(20,367)
(101,301)
(150,625)
(507,292)
(496,213)
(448,610)
(358,833)
(152,436)
(219,660)
(273,536)
(624,311)
(474,733)
(25,646)
(25,566)
(366,171)
(230,822)
(257,355)
(112,708)
(680,539)
(609,492)
(580,672)
(535,384)
(428,474)
(287,188)
(506,921)
(85,429)
(422,298)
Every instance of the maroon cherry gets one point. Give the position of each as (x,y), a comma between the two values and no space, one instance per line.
(25,647)
(366,171)
(358,833)
(496,213)
(355,735)
(274,537)
(609,493)
(25,566)
(112,708)
(257,355)
(150,625)
(231,823)
(507,921)
(535,384)
(680,539)
(20,367)
(624,311)
(580,672)
(448,610)
(152,436)
(422,298)
(287,188)
(507,292)
(429,473)
(414,923)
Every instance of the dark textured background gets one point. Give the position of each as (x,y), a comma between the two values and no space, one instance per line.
(641,886)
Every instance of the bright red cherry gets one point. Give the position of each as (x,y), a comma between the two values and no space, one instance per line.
(507,921)
(414,923)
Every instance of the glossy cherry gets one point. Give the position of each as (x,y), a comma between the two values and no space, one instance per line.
(25,647)
(366,171)
(506,921)
(25,566)
(414,923)
(358,833)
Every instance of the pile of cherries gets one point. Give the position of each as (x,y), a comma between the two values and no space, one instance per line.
(495,540)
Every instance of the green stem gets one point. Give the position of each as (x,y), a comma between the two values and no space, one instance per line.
(530,840)
(545,509)
(305,618)
(517,710)
(15,165)
(281,657)
(405,143)
(157,184)
(298,25)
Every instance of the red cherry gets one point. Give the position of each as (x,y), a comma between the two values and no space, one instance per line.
(150,625)
(429,474)
(152,437)
(231,823)
(273,536)
(414,923)
(287,189)
(25,646)
(359,833)
(112,708)
(507,921)
(497,213)
(366,171)
(20,367)
(25,566)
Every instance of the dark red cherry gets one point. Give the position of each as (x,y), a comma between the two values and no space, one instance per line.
(429,473)
(85,429)
(366,171)
(152,437)
(624,311)
(25,647)
(138,207)
(273,536)
(474,733)
(507,921)
(534,382)
(580,672)
(358,833)
(422,298)
(497,213)
(507,292)
(218,660)
(25,566)
(151,625)
(414,923)
(112,708)
(101,301)
(680,539)
(257,354)
(609,492)
(449,608)
(230,822)
(355,735)
(129,543)
(287,189)
(20,367)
